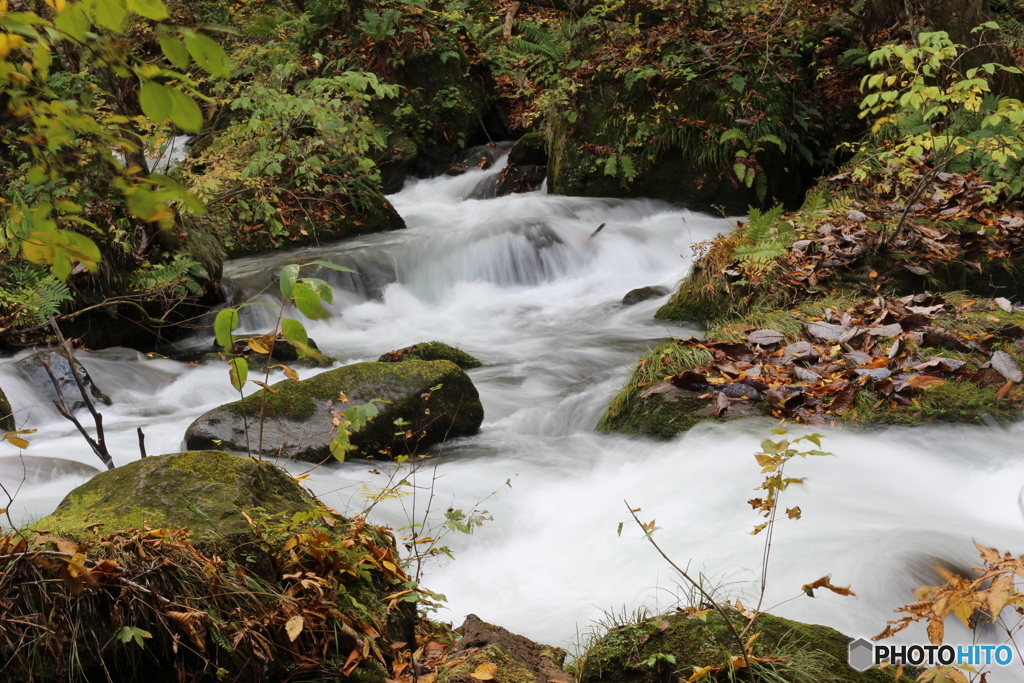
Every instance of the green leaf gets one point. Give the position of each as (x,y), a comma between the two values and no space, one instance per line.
(322,289)
(223,326)
(287,280)
(151,9)
(294,331)
(110,14)
(155,100)
(175,51)
(308,301)
(74,21)
(210,56)
(332,266)
(185,112)
(238,373)
(740,170)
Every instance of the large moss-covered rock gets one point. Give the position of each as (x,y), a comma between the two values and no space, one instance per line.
(263,559)
(206,491)
(435,399)
(434,350)
(625,655)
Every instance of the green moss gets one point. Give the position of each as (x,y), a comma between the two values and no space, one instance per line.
(509,670)
(204,490)
(657,416)
(813,653)
(430,400)
(6,414)
(434,350)
(956,401)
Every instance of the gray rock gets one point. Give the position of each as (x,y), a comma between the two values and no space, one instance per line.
(31,368)
(635,296)
(436,399)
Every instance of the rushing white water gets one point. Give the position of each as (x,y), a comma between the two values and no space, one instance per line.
(516,282)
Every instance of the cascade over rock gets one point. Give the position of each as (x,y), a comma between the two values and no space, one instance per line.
(32,369)
(436,400)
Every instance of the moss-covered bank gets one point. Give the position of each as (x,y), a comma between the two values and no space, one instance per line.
(800,652)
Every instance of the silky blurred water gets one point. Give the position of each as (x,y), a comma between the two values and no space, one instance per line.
(518,282)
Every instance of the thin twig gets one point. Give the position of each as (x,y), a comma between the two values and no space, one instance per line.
(700,589)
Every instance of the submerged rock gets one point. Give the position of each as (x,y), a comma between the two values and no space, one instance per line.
(638,653)
(435,399)
(635,296)
(32,369)
(433,350)
(38,468)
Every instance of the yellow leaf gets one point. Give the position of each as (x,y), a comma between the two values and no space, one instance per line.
(292,542)
(3,511)
(699,672)
(257,347)
(9,42)
(18,442)
(3,6)
(390,566)
(293,627)
(963,612)
(485,671)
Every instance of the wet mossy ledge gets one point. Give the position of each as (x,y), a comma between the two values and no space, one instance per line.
(843,313)
(785,650)
(421,403)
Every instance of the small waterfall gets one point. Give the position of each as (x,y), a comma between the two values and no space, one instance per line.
(519,282)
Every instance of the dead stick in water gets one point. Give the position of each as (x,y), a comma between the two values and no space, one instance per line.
(599,229)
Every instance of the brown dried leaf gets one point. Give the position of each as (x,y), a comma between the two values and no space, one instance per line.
(826,582)
(293,627)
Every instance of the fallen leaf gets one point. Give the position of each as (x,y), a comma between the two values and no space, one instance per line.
(765,337)
(485,671)
(1007,366)
(293,627)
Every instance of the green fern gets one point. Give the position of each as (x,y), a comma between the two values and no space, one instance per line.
(29,293)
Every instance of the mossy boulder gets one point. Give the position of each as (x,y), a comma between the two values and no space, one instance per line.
(434,350)
(667,412)
(518,659)
(206,491)
(435,399)
(529,150)
(261,554)
(624,655)
(6,414)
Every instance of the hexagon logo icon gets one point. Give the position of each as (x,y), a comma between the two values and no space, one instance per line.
(862,654)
